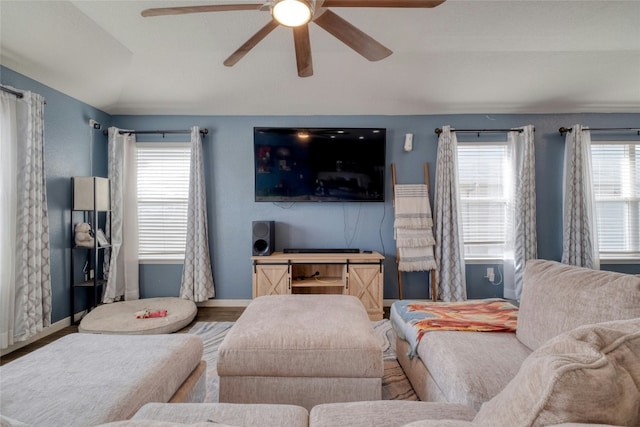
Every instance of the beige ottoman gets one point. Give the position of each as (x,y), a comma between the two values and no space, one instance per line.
(301,350)
(84,380)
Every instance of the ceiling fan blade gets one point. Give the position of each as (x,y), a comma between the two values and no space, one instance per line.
(352,37)
(303,50)
(181,10)
(383,3)
(251,43)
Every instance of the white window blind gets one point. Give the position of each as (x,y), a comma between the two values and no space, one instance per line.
(163,193)
(616,187)
(484,178)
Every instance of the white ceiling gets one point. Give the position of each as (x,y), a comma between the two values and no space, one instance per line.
(464,56)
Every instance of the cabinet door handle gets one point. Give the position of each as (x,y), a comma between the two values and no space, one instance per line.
(347,282)
(289,282)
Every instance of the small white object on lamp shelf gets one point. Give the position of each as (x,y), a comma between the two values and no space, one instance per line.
(82,235)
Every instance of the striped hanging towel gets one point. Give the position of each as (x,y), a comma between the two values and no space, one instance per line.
(413,228)
(412,208)
(416,259)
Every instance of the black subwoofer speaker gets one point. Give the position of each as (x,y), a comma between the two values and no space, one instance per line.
(263,237)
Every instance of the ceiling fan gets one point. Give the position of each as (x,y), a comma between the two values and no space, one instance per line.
(297,14)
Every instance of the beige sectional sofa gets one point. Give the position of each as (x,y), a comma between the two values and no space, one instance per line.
(589,376)
(470,368)
(575,362)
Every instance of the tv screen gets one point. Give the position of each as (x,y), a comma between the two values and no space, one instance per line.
(319,164)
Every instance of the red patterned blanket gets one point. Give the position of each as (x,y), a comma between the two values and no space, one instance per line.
(414,319)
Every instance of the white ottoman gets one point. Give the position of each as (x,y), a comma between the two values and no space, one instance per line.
(301,350)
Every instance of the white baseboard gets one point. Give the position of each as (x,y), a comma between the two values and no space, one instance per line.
(59,325)
(224,303)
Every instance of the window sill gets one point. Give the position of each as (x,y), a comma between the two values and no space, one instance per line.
(484,261)
(161,261)
(609,261)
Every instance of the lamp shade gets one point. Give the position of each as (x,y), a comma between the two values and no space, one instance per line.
(87,189)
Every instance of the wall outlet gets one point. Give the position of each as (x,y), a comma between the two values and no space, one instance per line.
(490,274)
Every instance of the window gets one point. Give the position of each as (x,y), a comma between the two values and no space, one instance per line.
(163,194)
(484,177)
(616,188)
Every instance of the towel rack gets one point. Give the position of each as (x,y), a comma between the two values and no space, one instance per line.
(432,277)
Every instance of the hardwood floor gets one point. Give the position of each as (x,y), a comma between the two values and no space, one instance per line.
(205,314)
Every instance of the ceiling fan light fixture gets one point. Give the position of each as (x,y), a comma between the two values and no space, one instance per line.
(292,13)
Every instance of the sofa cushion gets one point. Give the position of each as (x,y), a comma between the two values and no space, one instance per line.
(156,423)
(440,423)
(470,368)
(590,374)
(11,422)
(225,413)
(384,413)
(594,296)
(457,423)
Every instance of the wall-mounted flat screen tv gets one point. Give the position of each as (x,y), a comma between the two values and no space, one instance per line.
(319,164)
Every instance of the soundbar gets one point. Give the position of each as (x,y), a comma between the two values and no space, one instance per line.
(320,251)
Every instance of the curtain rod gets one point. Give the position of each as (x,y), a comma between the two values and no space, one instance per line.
(18,95)
(163,132)
(11,91)
(438,131)
(564,130)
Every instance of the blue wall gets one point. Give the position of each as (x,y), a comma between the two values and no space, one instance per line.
(228,153)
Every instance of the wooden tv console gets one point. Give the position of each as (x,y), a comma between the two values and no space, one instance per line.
(357,274)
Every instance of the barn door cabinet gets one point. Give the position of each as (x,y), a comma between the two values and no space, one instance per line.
(357,274)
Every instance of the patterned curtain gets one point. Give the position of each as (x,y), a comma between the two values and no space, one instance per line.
(449,252)
(579,235)
(25,289)
(121,262)
(197,277)
(522,240)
